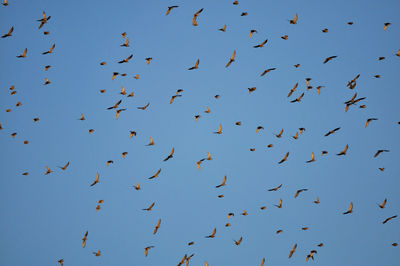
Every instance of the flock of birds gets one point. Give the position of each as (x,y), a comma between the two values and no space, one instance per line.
(353,101)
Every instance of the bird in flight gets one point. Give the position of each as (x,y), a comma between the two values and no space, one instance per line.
(194,21)
(387,24)
(43,20)
(237,243)
(64,167)
(213,234)
(382,206)
(388,219)
(275,188)
(50,51)
(312,158)
(344,151)
(261,44)
(223,29)
(219,130)
(280,204)
(171,155)
(126,60)
(252,32)
(146,250)
(23,55)
(150,207)
(222,184)
(97,254)
(299,191)
(157,227)
(84,239)
(96,181)
(9,34)
(293,250)
(156,175)
(379,152)
(144,107)
(294,21)
(284,158)
(369,121)
(232,59)
(151,142)
(266,71)
(196,66)
(329,59)
(170,9)
(332,131)
(350,210)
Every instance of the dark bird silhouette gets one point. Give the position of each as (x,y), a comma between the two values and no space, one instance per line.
(388,219)
(332,131)
(379,152)
(329,59)
(171,155)
(196,66)
(350,210)
(222,184)
(126,60)
(156,175)
(213,234)
(344,151)
(261,44)
(275,188)
(170,9)
(50,51)
(284,158)
(9,34)
(150,207)
(23,55)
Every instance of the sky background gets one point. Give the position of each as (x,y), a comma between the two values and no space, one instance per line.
(44,217)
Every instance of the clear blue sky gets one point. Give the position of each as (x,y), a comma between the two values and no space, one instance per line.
(44,217)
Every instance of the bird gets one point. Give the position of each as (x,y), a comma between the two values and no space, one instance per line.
(96,181)
(23,55)
(284,37)
(146,250)
(64,167)
(194,21)
(259,128)
(262,262)
(222,184)
(325,30)
(329,59)
(387,24)
(199,163)
(237,243)
(294,21)
(213,234)
(388,219)
(47,82)
(49,171)
(124,154)
(275,188)
(43,20)
(61,262)
(156,175)
(252,32)
(157,227)
(197,117)
(151,142)
(143,107)
(344,151)
(137,187)
(369,121)
(126,43)
(173,98)
(317,201)
(5,3)
(110,162)
(232,59)
(223,29)
(235,2)
(50,51)
(296,136)
(126,60)
(132,133)
(350,210)
(97,254)
(280,204)
(261,44)
(171,155)
(196,66)
(84,239)
(9,34)
(332,131)
(208,110)
(150,207)
(312,158)
(311,255)
(299,191)
(115,106)
(209,156)
(280,134)
(298,99)
(252,89)
(284,158)
(293,250)
(219,130)
(170,9)
(293,89)
(118,112)
(244,14)
(382,206)
(238,123)
(279,231)
(379,152)
(267,70)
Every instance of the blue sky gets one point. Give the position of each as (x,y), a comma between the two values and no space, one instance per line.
(44,217)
